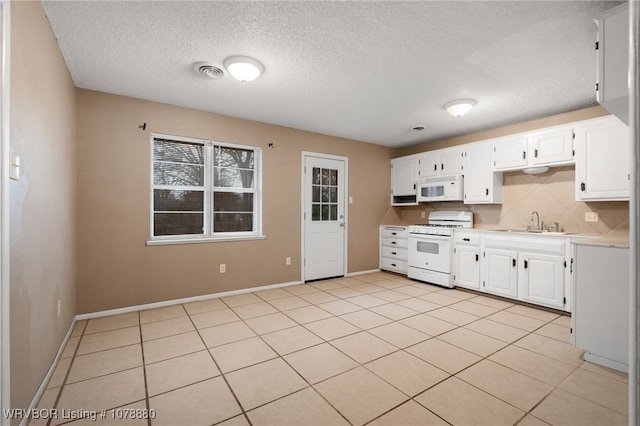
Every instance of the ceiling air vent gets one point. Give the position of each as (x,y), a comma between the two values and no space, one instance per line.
(208,70)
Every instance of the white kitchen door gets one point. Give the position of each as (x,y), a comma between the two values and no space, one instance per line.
(324,216)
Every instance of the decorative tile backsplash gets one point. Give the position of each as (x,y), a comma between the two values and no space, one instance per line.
(551,194)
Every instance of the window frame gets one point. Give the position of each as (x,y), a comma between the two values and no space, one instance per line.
(208,235)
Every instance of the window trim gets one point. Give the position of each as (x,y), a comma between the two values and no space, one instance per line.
(209,190)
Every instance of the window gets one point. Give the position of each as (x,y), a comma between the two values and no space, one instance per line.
(204,190)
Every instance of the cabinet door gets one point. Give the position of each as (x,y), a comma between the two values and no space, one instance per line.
(613,62)
(403,176)
(510,153)
(551,147)
(500,272)
(429,164)
(602,162)
(541,279)
(451,161)
(466,264)
(479,185)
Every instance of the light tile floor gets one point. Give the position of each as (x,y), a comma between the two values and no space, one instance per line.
(374,349)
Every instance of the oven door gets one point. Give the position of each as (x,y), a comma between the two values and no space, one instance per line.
(431,252)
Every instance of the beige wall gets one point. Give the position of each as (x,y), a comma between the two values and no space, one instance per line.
(551,194)
(115,267)
(42,210)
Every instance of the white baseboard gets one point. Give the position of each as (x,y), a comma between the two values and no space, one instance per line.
(47,376)
(166,303)
(370,271)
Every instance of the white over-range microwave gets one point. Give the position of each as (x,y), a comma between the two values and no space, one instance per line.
(445,188)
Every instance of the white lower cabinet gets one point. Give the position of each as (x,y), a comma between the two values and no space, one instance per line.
(531,268)
(466,260)
(500,272)
(393,248)
(541,279)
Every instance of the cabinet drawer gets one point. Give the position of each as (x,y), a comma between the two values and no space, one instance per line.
(395,233)
(394,265)
(468,239)
(395,242)
(394,253)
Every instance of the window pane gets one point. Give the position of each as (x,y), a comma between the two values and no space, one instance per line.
(333,178)
(315,194)
(316,176)
(333,195)
(232,222)
(177,223)
(325,212)
(315,212)
(179,152)
(232,178)
(178,174)
(234,157)
(170,200)
(232,202)
(325,176)
(333,212)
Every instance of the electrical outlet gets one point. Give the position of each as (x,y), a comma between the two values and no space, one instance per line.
(223,268)
(59,306)
(287,261)
(590,216)
(423,214)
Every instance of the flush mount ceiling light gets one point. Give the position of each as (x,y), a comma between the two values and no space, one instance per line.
(243,68)
(459,107)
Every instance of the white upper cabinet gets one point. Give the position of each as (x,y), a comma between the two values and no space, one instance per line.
(481,184)
(602,160)
(510,153)
(403,180)
(441,162)
(551,147)
(548,147)
(612,88)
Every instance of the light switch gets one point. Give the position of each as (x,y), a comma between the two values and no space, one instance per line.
(14,169)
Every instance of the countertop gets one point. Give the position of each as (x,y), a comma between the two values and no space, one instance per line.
(620,240)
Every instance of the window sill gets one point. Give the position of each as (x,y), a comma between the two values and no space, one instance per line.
(203,240)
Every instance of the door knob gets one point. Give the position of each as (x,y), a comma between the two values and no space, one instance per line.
(342,224)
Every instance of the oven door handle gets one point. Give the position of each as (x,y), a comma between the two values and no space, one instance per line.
(424,237)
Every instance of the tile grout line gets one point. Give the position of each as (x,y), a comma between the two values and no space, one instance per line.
(144,371)
(222,374)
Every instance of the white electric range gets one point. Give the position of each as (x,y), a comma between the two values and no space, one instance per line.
(430,252)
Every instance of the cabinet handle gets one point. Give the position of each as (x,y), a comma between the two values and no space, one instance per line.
(435,167)
(394,265)
(394,233)
(477,257)
(583,186)
(535,152)
(394,253)
(486,191)
(466,239)
(524,155)
(393,242)
(441,166)
(513,262)
(526,264)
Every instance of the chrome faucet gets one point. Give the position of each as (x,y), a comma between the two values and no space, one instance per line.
(537,228)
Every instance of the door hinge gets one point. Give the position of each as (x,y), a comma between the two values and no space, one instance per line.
(484,284)
(454,251)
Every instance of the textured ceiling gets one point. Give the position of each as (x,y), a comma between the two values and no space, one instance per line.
(363,70)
